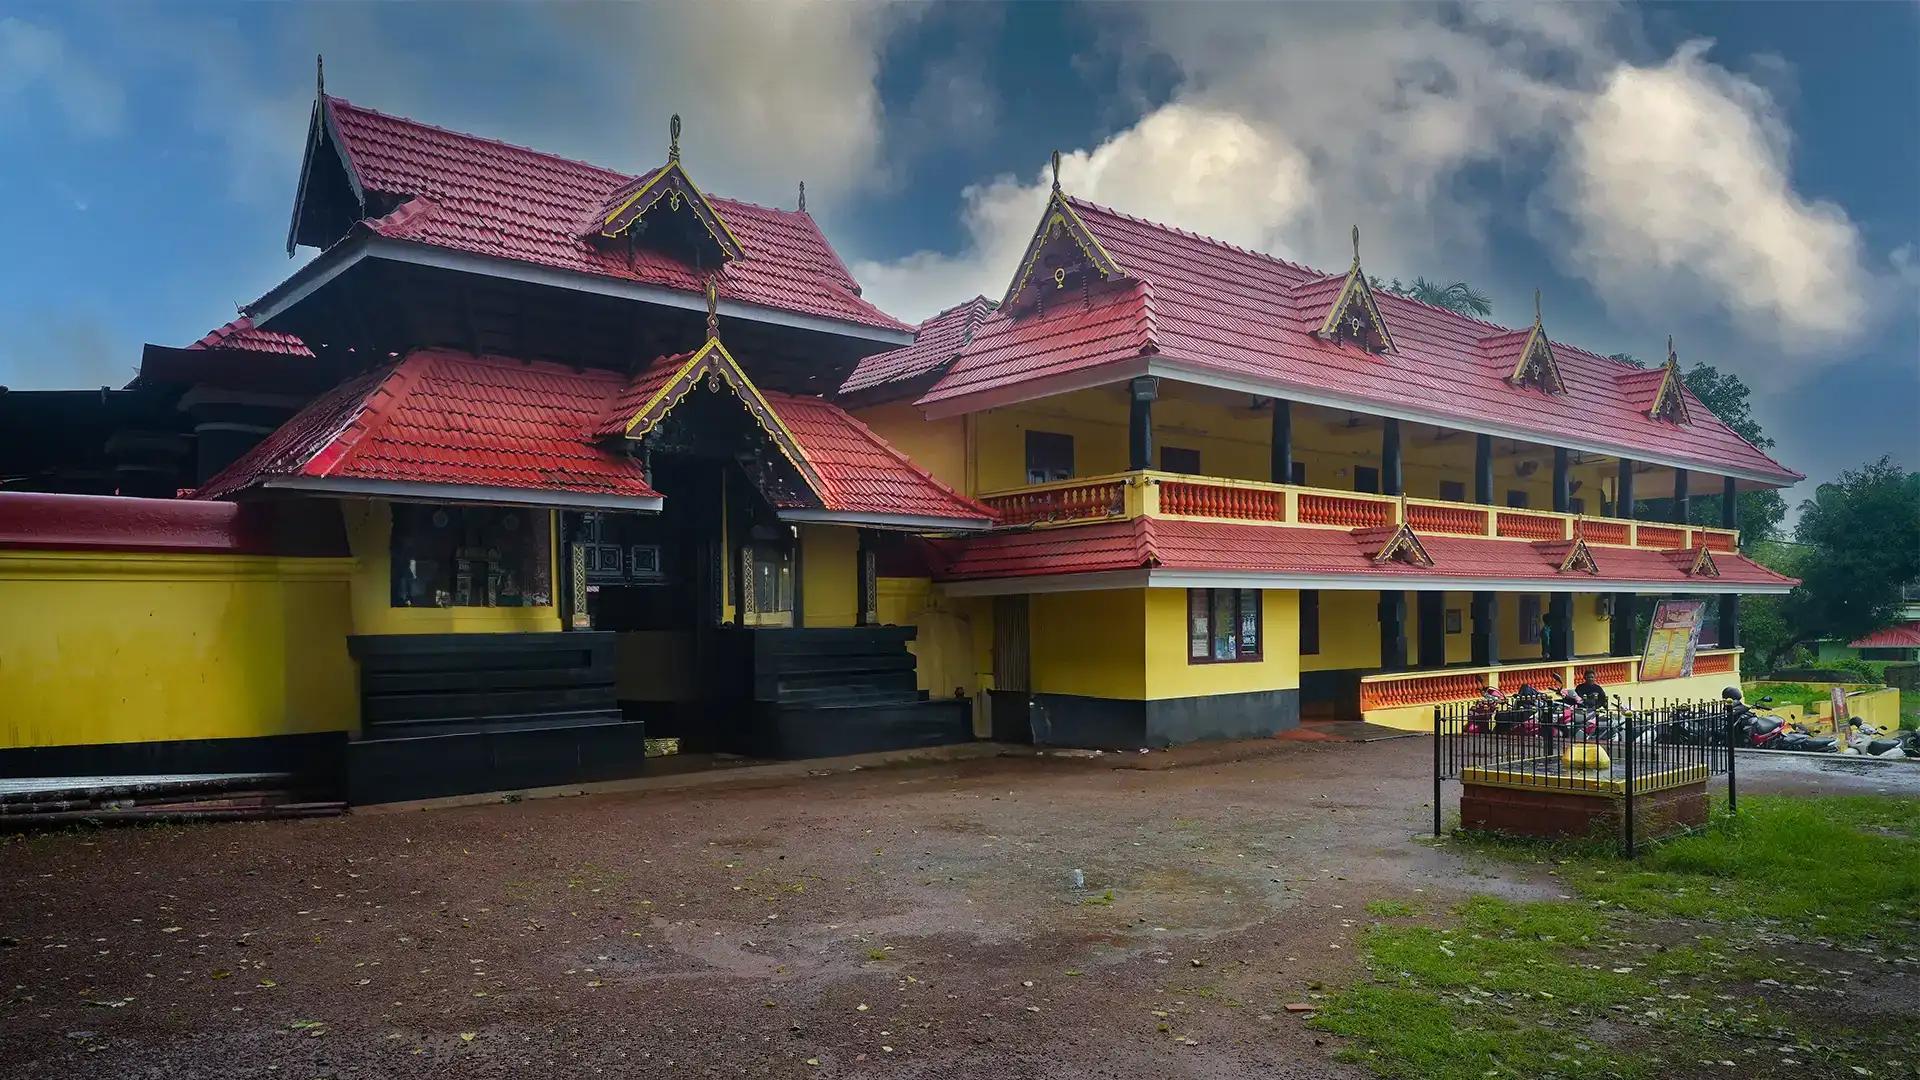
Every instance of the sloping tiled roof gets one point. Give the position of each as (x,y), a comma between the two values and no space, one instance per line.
(1200,546)
(1202,304)
(862,473)
(494,199)
(241,334)
(1897,636)
(445,417)
(935,342)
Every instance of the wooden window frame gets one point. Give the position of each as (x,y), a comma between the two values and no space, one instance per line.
(1167,465)
(1241,656)
(1038,439)
(1453,491)
(1360,471)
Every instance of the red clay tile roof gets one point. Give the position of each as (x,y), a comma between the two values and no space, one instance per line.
(935,343)
(241,334)
(445,417)
(1194,302)
(863,473)
(494,199)
(1897,636)
(1199,546)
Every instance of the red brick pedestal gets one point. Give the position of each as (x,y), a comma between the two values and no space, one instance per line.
(1547,812)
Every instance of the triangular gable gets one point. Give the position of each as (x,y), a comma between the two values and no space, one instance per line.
(713,366)
(668,186)
(1353,316)
(1703,564)
(1579,558)
(1404,546)
(1063,251)
(1536,366)
(1670,401)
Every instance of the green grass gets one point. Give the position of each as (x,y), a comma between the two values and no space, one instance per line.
(1391,909)
(1654,968)
(1804,695)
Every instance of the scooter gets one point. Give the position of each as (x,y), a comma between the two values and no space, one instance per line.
(1872,742)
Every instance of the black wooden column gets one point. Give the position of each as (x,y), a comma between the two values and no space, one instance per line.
(867,584)
(1143,390)
(1483,469)
(1624,614)
(1486,629)
(1730,603)
(1431,608)
(1729,505)
(1281,471)
(1559,636)
(1562,493)
(1680,496)
(1391,482)
(1393,631)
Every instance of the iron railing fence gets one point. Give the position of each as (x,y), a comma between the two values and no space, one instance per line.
(1629,749)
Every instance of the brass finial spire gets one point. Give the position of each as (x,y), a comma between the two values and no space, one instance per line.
(673,138)
(803,196)
(713,310)
(1673,358)
(1056,170)
(1356,245)
(1536,306)
(320,74)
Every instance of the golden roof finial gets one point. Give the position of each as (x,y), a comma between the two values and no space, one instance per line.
(803,196)
(713,310)
(320,73)
(1056,170)
(1356,245)
(673,138)
(1673,359)
(1536,306)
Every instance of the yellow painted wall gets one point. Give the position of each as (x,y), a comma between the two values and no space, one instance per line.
(1170,674)
(938,446)
(953,643)
(830,575)
(1090,643)
(370,534)
(1349,631)
(122,647)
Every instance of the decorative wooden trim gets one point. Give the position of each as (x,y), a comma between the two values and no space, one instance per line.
(1536,366)
(1060,219)
(1579,558)
(1669,402)
(1703,564)
(714,365)
(1354,305)
(669,183)
(1404,547)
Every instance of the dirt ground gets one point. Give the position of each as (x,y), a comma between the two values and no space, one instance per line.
(900,922)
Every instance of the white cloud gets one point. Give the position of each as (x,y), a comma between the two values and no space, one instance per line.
(1674,179)
(34,56)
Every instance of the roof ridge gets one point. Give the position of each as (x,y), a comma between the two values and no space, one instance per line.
(548,154)
(368,417)
(943,312)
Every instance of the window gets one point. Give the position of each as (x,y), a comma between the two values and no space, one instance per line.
(1309,622)
(1453,491)
(1223,625)
(767,592)
(1049,457)
(1576,506)
(1529,620)
(1298,474)
(1516,497)
(470,556)
(1454,622)
(1366,478)
(1180,460)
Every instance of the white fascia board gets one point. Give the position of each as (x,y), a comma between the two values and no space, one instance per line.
(407,490)
(1046,583)
(1211,579)
(307,280)
(1019,393)
(900,522)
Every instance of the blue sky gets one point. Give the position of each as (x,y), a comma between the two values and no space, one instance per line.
(1740,176)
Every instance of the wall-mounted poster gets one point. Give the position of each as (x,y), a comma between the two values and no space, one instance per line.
(1672,639)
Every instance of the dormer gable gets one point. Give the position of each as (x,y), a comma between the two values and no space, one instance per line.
(1353,317)
(1536,367)
(1579,558)
(1703,564)
(1063,254)
(1401,545)
(1670,400)
(664,210)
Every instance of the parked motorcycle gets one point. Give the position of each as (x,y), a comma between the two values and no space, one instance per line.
(1759,730)
(1870,741)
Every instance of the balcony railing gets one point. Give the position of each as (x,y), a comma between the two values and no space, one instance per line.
(1619,674)
(1173,495)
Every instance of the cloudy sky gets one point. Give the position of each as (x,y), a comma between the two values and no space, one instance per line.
(1740,176)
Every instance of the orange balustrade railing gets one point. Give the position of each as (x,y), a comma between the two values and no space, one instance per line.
(1220,501)
(1539,676)
(1603,532)
(1420,690)
(1097,500)
(1713,664)
(1344,511)
(1450,520)
(1717,541)
(1611,674)
(1525,526)
(1660,536)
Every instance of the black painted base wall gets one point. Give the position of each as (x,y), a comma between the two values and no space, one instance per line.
(504,759)
(788,731)
(1115,724)
(316,759)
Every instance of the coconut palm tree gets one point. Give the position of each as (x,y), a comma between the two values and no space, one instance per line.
(1459,296)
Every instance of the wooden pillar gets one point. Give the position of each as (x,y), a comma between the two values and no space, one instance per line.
(1558,640)
(1623,496)
(1483,469)
(1393,630)
(1730,621)
(1562,493)
(1431,608)
(1486,629)
(1390,472)
(1625,611)
(1143,390)
(866,586)
(1729,504)
(1281,466)
(1680,496)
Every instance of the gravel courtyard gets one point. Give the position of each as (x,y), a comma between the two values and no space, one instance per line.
(913,921)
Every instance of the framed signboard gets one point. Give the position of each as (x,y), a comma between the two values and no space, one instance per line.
(1672,639)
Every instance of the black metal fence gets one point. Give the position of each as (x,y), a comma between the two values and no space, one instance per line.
(1628,749)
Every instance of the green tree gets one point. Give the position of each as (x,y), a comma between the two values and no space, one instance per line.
(1729,398)
(1459,296)
(1765,630)
(1862,532)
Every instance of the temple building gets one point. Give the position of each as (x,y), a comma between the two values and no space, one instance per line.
(534,460)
